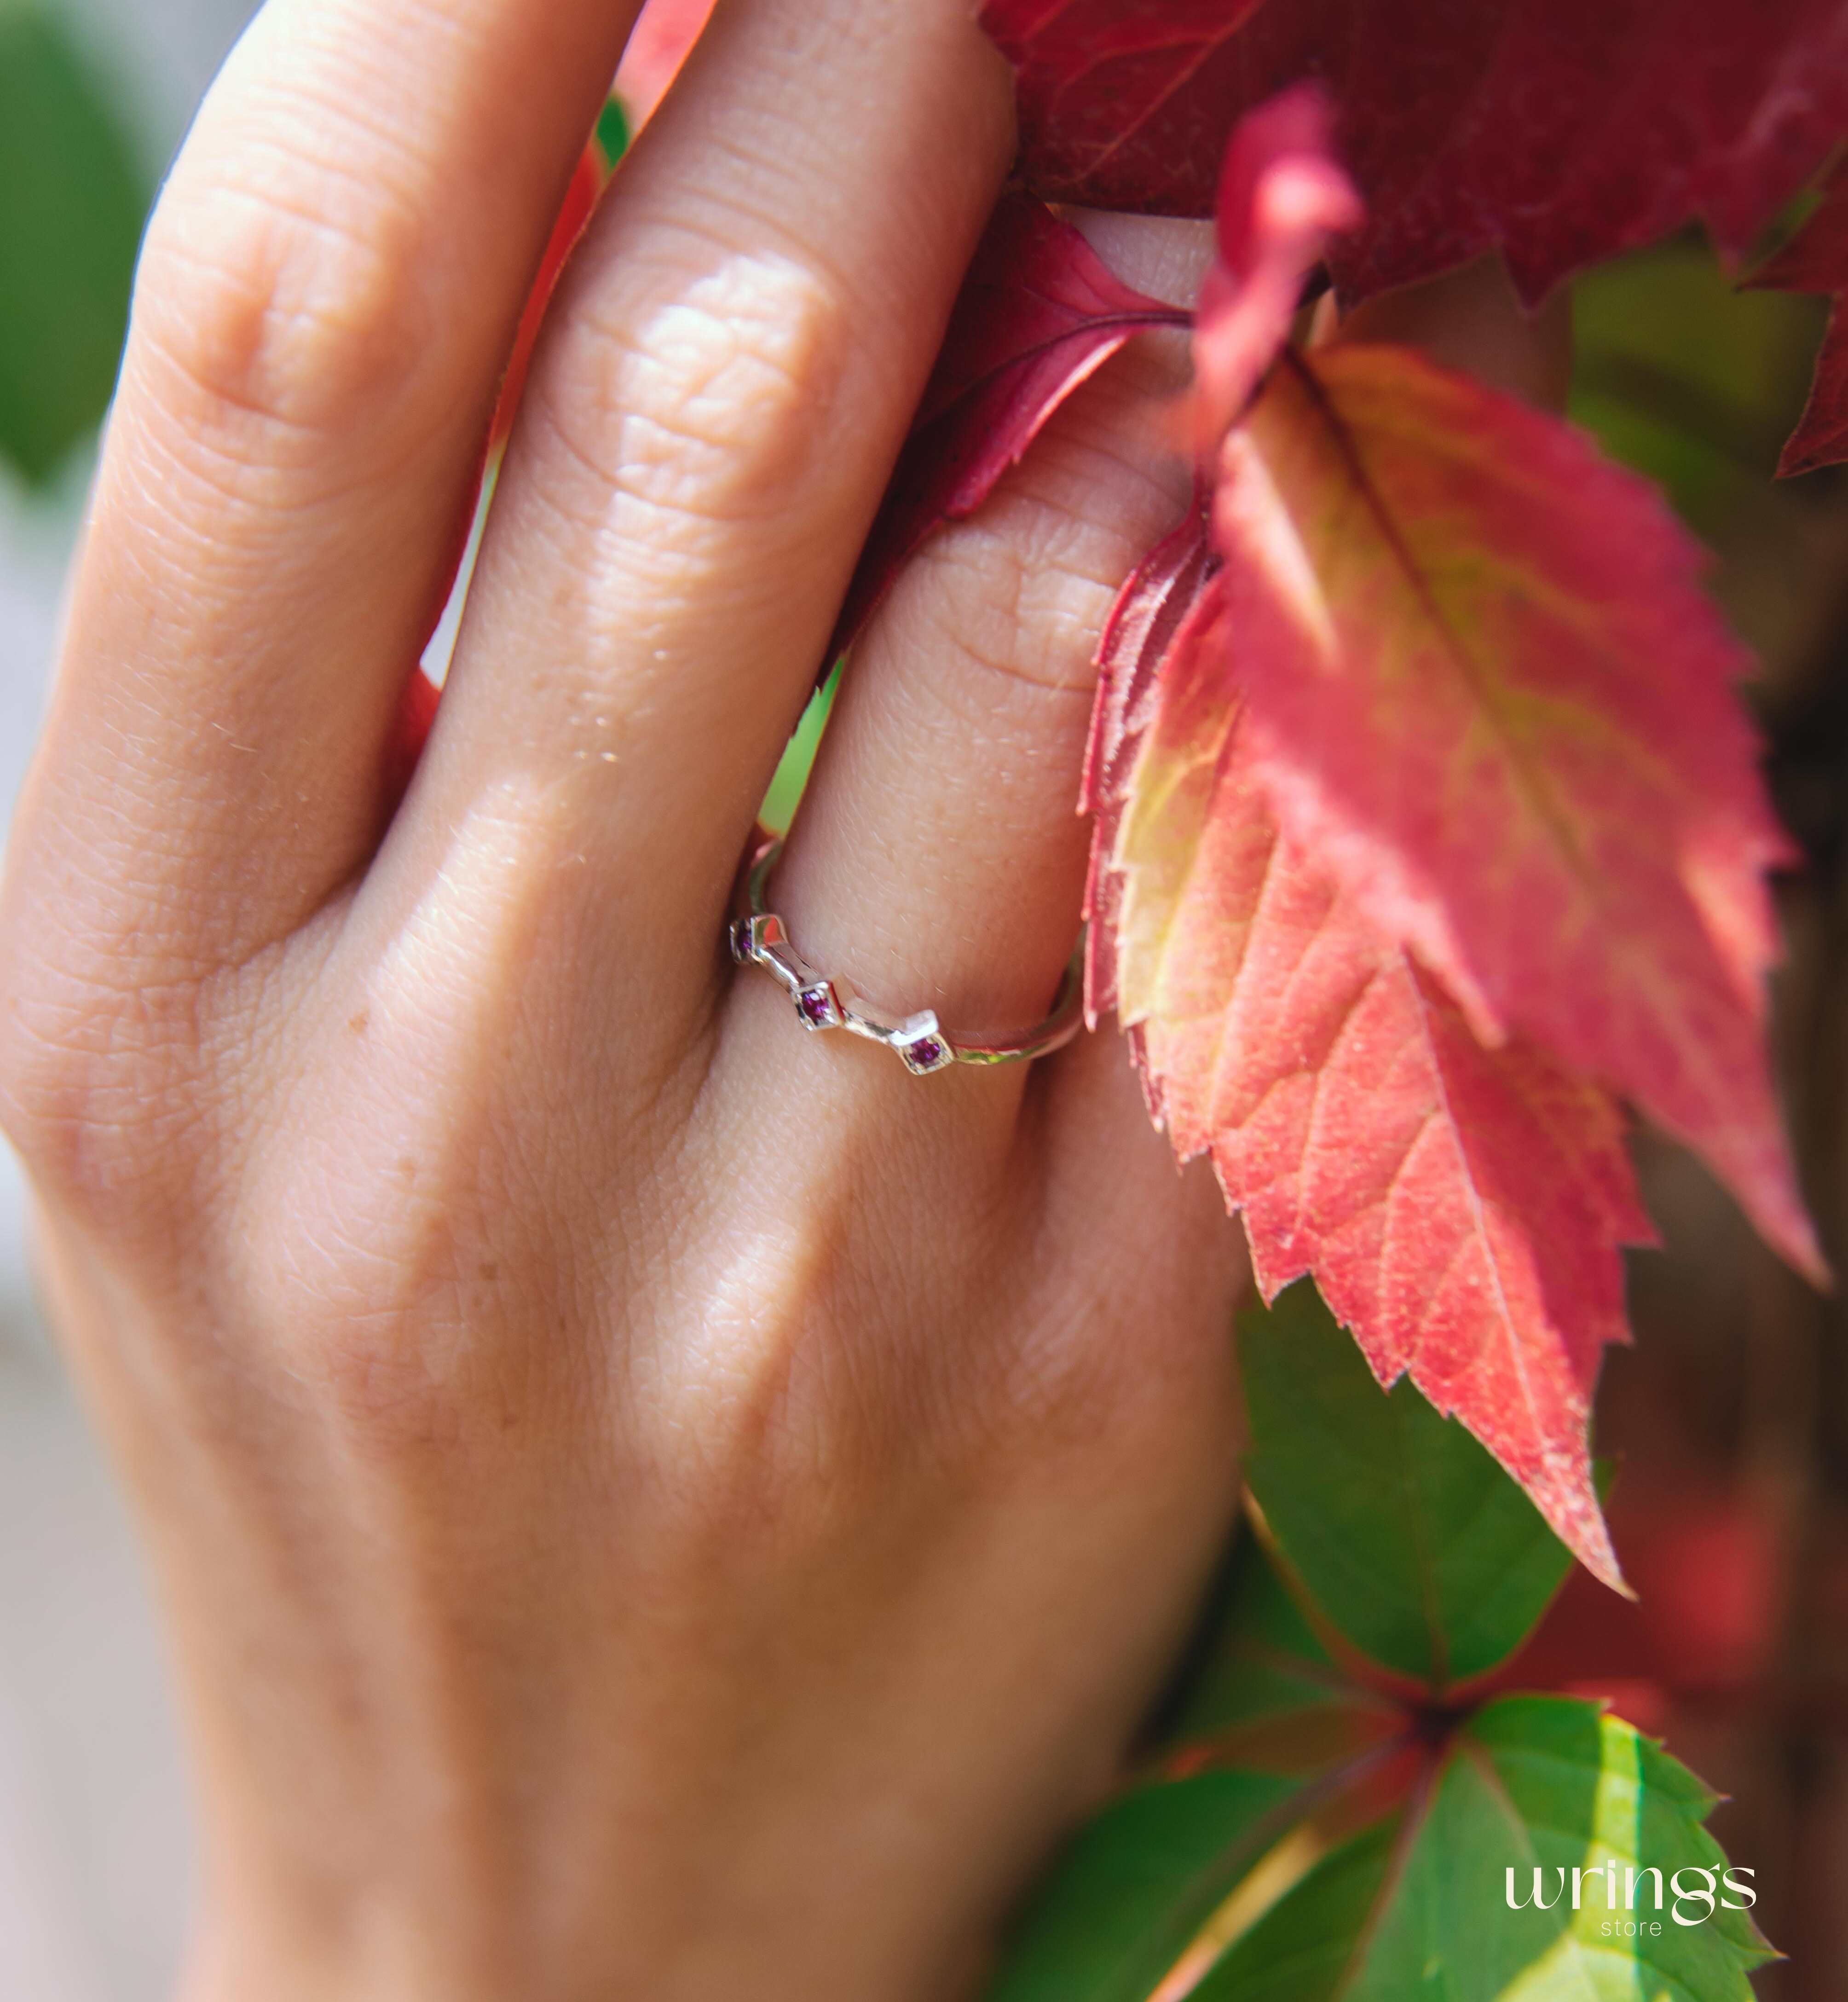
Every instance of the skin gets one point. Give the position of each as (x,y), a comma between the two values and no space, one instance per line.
(646,1502)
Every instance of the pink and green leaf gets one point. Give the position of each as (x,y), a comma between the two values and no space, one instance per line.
(1428,830)
(1481,684)
(1461,1208)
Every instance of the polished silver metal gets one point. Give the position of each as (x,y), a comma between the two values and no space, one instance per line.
(759,937)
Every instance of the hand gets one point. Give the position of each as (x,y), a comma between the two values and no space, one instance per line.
(650,1503)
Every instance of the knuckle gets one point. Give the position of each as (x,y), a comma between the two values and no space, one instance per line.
(99,1090)
(1071,1387)
(391,1334)
(700,396)
(768,1426)
(1022,588)
(390,1388)
(1022,598)
(291,301)
(822,1378)
(125,1050)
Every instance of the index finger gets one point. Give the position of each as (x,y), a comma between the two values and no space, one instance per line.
(326,299)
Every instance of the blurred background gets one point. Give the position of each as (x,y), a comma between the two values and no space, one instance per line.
(1729,1419)
(95,1825)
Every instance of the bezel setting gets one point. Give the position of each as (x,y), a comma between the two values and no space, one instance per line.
(818,1006)
(755,936)
(758,936)
(923,1047)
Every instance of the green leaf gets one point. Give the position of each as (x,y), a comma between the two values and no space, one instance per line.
(71,210)
(1136,1886)
(1266,1696)
(1319,1841)
(1424,1905)
(1405,1535)
(1301,1949)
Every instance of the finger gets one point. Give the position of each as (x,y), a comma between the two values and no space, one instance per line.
(327,296)
(733,364)
(938,860)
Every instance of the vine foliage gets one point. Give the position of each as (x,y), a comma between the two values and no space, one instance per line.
(1354,1796)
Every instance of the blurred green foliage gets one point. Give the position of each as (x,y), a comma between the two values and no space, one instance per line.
(1688,379)
(71,206)
(613,134)
(786,789)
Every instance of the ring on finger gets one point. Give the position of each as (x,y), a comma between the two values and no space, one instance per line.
(758,936)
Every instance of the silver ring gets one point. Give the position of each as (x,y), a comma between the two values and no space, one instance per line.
(760,937)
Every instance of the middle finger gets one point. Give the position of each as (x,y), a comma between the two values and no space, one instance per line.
(706,436)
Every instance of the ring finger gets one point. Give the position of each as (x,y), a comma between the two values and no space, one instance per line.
(736,354)
(938,859)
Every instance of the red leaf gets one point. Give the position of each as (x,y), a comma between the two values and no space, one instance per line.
(587,181)
(1561,130)
(1816,260)
(1485,689)
(1039,314)
(1126,106)
(410,731)
(1461,1208)
(1281,195)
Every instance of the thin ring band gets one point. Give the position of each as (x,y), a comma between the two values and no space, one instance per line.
(923,1045)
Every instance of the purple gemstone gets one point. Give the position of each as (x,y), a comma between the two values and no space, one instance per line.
(817,1005)
(926,1054)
